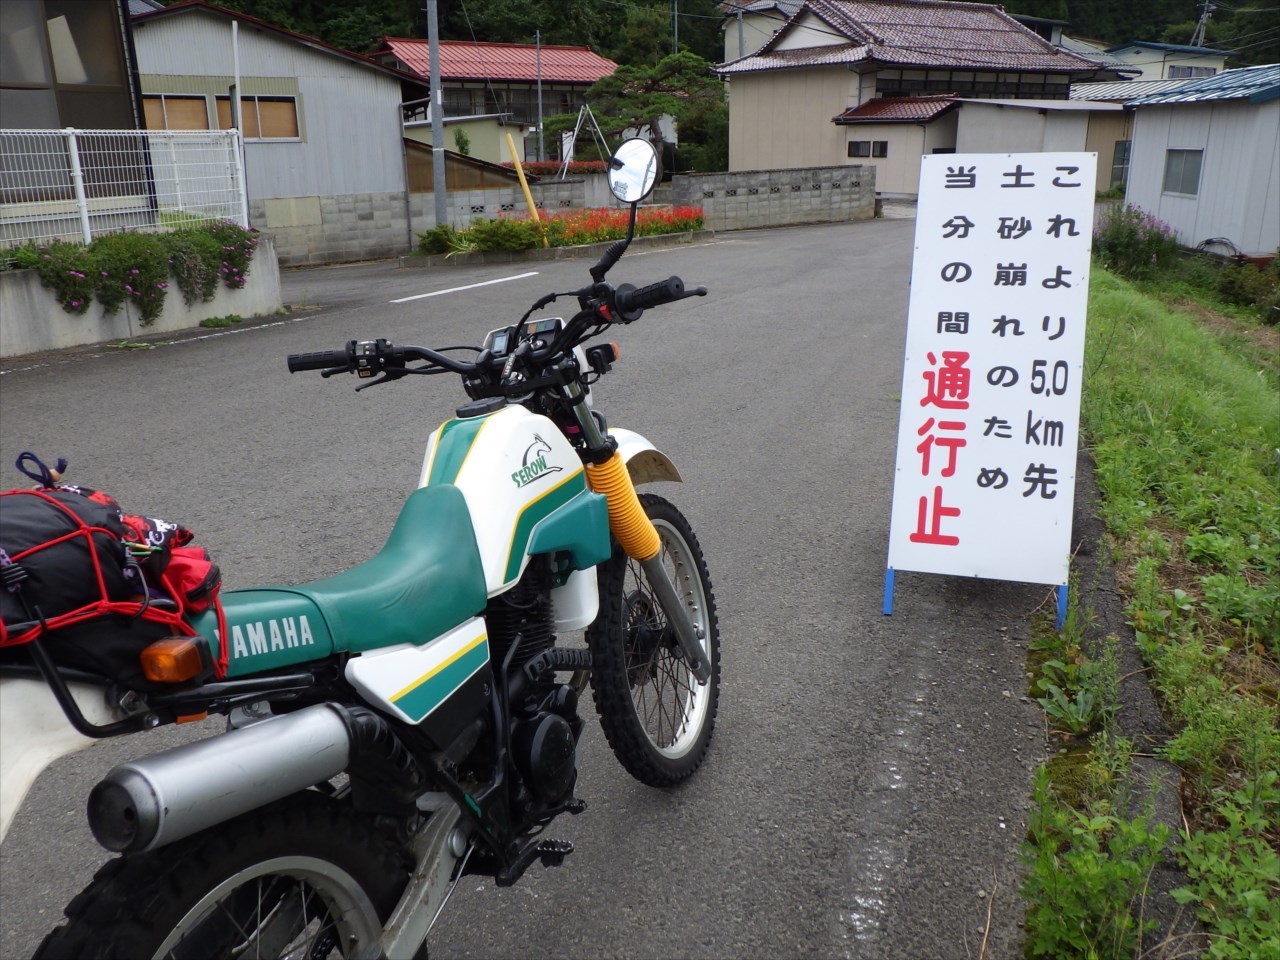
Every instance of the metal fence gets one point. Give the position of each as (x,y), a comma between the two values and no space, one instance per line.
(76,184)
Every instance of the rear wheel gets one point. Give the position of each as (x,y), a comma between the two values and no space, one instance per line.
(656,716)
(304,878)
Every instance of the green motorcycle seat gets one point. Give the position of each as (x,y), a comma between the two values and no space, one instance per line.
(426,580)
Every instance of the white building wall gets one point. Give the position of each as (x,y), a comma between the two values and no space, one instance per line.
(809,31)
(991,128)
(756,30)
(1155,64)
(1239,190)
(348,115)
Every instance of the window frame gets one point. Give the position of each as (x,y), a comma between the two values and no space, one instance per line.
(254,98)
(859,149)
(1175,168)
(1121,165)
(164,110)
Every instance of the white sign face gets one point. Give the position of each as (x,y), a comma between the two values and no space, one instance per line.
(985,473)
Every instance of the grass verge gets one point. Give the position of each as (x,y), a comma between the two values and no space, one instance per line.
(1182,414)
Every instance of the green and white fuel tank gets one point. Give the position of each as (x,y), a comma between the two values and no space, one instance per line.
(526,491)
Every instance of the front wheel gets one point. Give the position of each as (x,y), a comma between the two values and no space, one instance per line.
(656,716)
(301,878)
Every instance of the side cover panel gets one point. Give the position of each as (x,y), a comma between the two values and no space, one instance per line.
(525,488)
(412,681)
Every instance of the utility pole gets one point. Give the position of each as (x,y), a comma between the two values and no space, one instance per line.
(542,150)
(1207,8)
(675,26)
(437,118)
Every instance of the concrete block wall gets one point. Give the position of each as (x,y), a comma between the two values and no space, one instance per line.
(360,226)
(550,196)
(770,198)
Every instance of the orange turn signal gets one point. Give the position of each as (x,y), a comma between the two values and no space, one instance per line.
(617,351)
(173,660)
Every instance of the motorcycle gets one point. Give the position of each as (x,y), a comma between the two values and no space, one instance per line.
(413,720)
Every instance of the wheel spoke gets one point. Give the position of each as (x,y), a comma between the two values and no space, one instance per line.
(662,732)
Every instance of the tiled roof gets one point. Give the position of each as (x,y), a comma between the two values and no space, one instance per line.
(897,110)
(784,8)
(927,109)
(1255,84)
(920,33)
(468,60)
(1123,90)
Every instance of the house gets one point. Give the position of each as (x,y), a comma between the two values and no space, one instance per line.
(323,148)
(892,133)
(493,87)
(75,163)
(1206,159)
(807,97)
(1110,135)
(749,24)
(1170,61)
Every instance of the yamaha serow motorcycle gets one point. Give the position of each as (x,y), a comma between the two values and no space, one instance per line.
(414,719)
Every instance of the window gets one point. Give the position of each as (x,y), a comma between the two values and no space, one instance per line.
(1182,171)
(1120,162)
(868,148)
(163,112)
(1179,73)
(264,118)
(62,64)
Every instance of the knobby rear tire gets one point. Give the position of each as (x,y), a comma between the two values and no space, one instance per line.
(657,718)
(307,852)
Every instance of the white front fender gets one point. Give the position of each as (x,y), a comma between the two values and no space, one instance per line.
(645,462)
(34,732)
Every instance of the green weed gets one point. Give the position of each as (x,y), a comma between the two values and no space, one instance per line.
(230,320)
(1087,874)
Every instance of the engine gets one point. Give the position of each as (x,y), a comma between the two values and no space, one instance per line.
(544,721)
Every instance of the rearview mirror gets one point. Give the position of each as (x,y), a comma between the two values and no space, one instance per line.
(633,170)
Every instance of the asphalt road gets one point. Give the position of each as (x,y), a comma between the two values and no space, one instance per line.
(867,787)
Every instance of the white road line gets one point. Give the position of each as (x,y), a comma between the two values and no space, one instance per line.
(469,286)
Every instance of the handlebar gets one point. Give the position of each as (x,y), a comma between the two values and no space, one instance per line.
(601,305)
(630,302)
(323,360)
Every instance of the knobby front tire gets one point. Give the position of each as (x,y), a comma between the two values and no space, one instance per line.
(305,877)
(657,718)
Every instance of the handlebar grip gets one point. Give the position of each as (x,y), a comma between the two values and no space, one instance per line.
(323,360)
(631,302)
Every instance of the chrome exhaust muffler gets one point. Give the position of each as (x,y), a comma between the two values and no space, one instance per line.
(147,803)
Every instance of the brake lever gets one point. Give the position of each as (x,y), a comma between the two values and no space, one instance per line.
(388,375)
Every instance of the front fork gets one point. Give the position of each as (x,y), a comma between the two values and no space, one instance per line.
(608,475)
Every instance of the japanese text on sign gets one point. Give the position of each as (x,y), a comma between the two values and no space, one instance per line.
(985,474)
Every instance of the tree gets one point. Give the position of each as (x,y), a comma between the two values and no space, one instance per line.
(354,27)
(635,98)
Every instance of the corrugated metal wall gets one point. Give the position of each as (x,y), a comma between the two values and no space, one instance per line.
(1239,195)
(349,115)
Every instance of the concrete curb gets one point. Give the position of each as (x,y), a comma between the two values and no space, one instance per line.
(419,261)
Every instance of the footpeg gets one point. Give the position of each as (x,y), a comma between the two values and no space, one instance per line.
(553,852)
(575,806)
